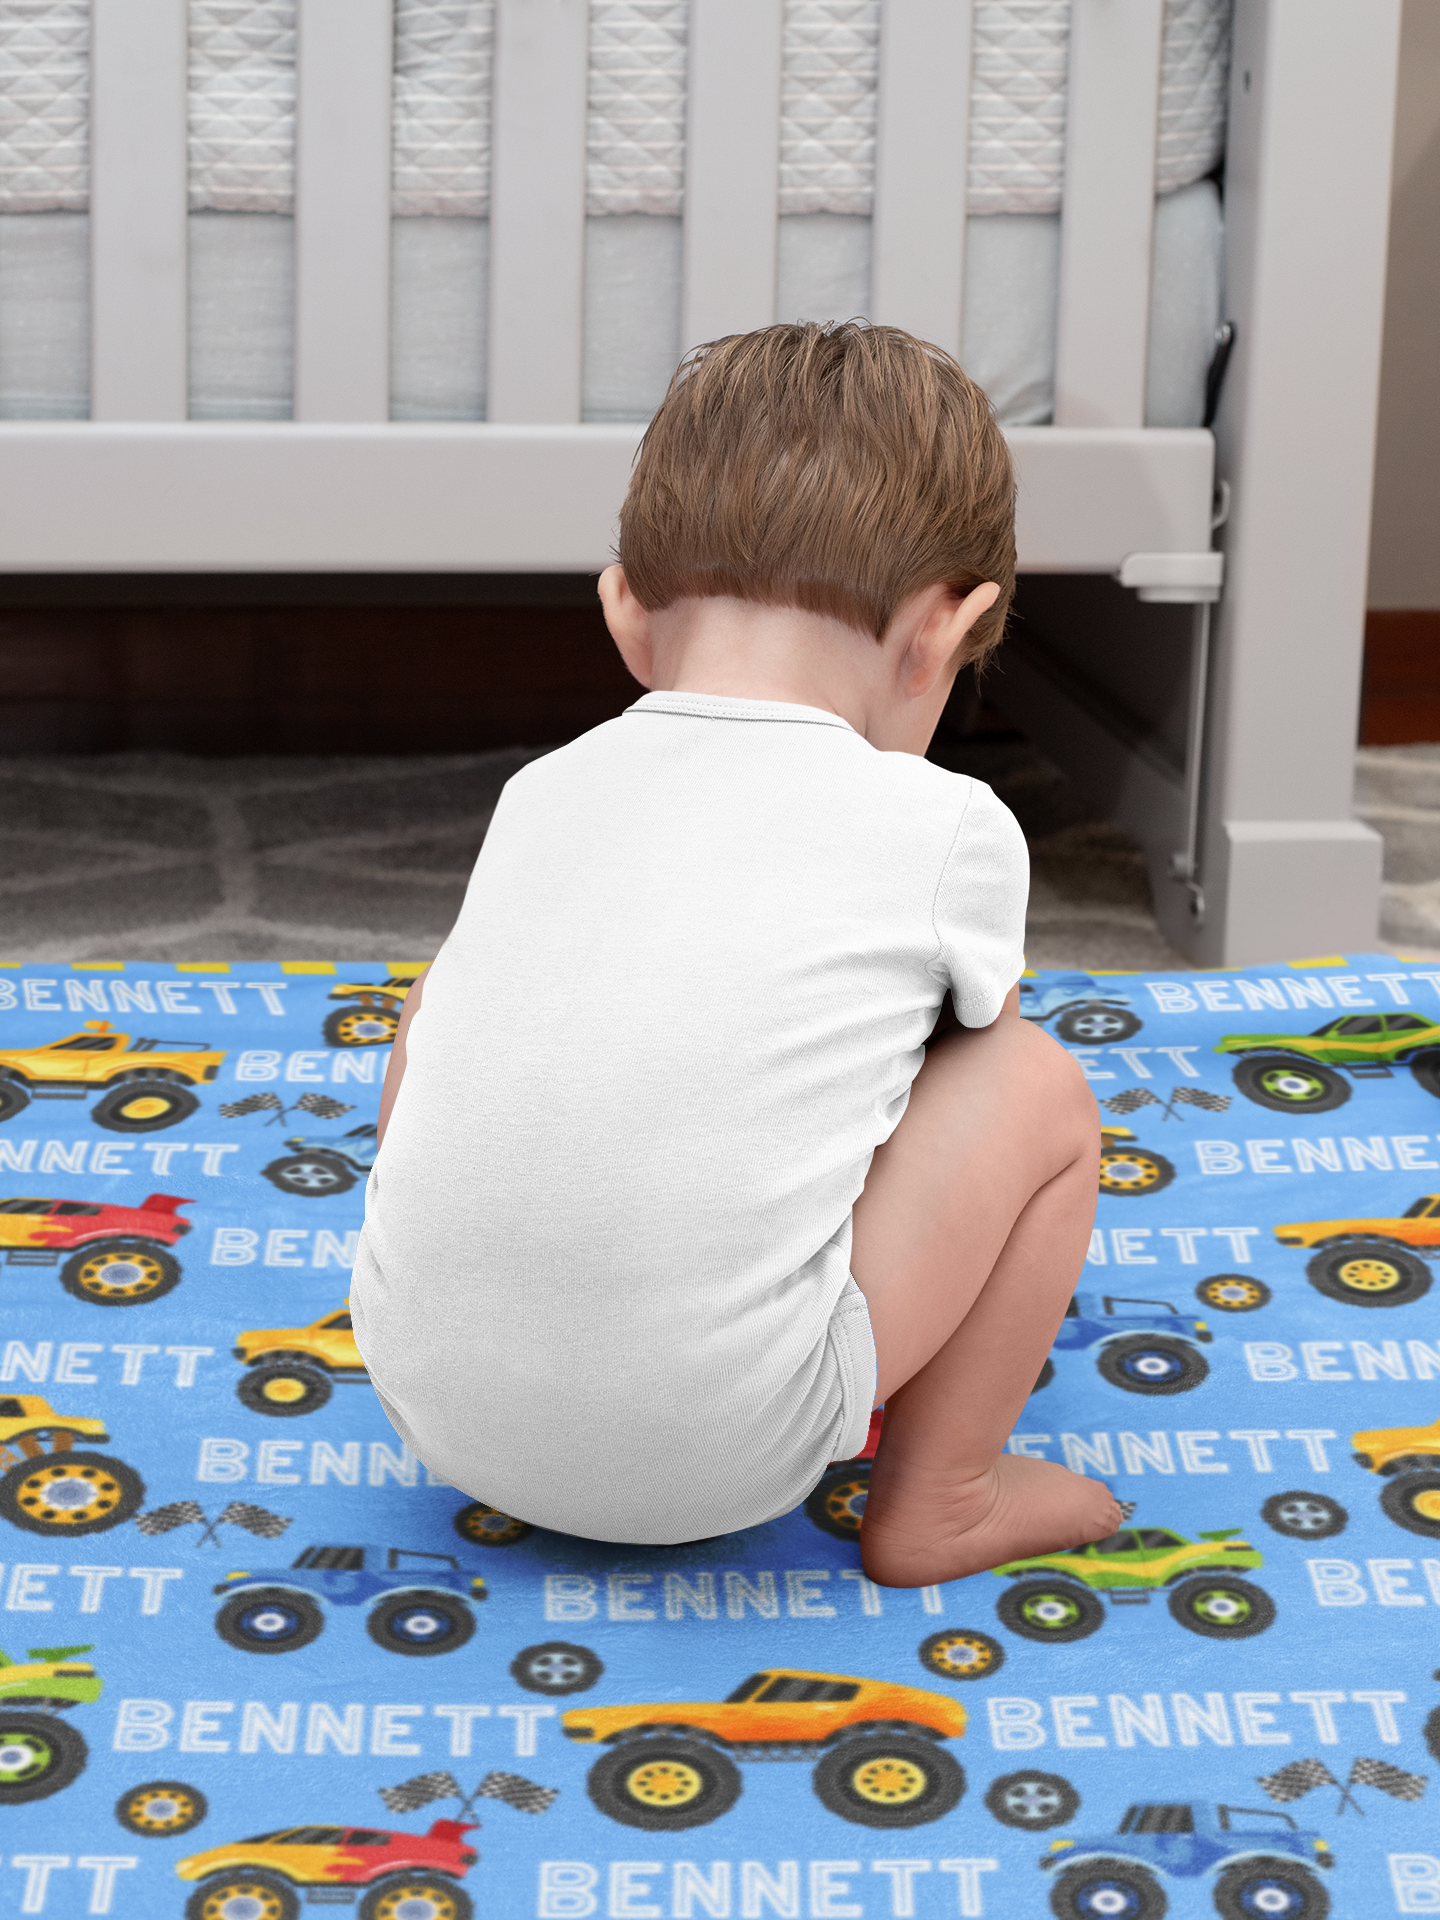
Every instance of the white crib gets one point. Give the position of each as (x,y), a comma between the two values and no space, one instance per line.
(1252,845)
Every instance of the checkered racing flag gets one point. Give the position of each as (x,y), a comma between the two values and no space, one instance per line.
(257,1520)
(179,1513)
(516,1791)
(324,1108)
(1392,1780)
(1298,1779)
(419,1791)
(252,1103)
(1128,1102)
(1198,1097)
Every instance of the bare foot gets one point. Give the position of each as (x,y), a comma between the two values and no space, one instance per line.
(915,1535)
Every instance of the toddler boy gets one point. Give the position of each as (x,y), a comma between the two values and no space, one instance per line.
(678,1178)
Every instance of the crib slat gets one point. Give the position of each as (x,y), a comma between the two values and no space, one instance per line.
(1104,311)
(732,168)
(137,210)
(921,161)
(342,210)
(537,210)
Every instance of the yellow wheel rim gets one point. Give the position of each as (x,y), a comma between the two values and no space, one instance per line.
(888,1781)
(160,1812)
(1426,1504)
(1230,1293)
(964,1655)
(359,1025)
(67,1496)
(840,1501)
(145,1274)
(393,1902)
(1370,1276)
(1125,1173)
(148,1106)
(284,1392)
(488,1527)
(664,1783)
(217,1906)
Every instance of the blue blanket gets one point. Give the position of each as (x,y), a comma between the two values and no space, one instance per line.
(224,1567)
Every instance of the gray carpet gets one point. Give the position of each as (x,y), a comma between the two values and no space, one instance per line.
(168,857)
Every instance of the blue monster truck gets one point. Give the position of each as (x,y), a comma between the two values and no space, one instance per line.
(418,1603)
(1087,1014)
(1143,1353)
(1260,1873)
(316,1165)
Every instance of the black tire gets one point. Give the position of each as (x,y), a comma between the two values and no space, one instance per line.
(361,1026)
(1050,1611)
(1432,1732)
(1152,1364)
(1233,1293)
(961,1653)
(13,1099)
(1096,1025)
(121,1273)
(1413,1502)
(275,1898)
(70,1493)
(888,1780)
(39,1755)
(1237,1888)
(283,1391)
(270,1620)
(1088,1893)
(1222,1606)
(837,1504)
(1425,1071)
(409,1894)
(144,1106)
(1045,1376)
(664,1784)
(1305,1516)
(161,1809)
(310,1176)
(1289,1083)
(486,1526)
(1131,1172)
(555,1667)
(421,1624)
(1369,1273)
(1032,1800)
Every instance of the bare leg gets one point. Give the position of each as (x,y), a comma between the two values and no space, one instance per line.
(969,1238)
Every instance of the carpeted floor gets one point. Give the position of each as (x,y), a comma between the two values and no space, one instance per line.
(166,857)
(1248,1664)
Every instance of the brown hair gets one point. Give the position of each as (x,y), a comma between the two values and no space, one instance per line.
(837,468)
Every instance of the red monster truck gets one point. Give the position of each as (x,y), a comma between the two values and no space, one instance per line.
(119,1256)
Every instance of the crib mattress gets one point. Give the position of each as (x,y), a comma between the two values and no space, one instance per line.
(241,185)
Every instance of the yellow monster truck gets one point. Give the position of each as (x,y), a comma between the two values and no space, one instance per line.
(147,1082)
(292,1369)
(46,1485)
(1408,1459)
(1370,1263)
(374,1013)
(1130,1169)
(879,1761)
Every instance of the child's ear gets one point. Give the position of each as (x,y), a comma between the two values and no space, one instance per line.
(629,623)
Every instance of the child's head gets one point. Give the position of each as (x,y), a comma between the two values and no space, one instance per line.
(838,469)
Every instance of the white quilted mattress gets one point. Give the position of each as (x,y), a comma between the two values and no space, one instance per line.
(242,95)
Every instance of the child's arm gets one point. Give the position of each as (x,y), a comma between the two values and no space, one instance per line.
(395,1072)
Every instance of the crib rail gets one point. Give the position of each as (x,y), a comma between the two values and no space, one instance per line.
(342,231)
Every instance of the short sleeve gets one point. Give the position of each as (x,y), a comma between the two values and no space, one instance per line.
(980,908)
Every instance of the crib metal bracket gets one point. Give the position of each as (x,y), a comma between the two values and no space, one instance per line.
(1188,578)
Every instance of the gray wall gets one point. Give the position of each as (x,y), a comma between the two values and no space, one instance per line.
(1405,535)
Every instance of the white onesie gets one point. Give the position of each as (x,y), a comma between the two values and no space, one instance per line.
(604,1280)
